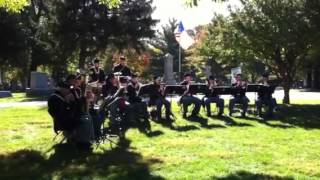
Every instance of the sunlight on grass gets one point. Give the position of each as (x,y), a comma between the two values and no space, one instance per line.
(288,147)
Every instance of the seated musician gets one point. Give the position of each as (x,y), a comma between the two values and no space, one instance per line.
(122,67)
(158,98)
(137,109)
(265,97)
(61,108)
(212,97)
(69,114)
(111,93)
(239,96)
(187,98)
(96,73)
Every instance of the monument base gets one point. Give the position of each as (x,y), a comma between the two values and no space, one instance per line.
(4,94)
(38,92)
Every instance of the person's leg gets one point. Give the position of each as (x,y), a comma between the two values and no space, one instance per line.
(232,102)
(259,104)
(270,105)
(167,106)
(185,101)
(220,104)
(159,104)
(244,101)
(207,103)
(197,105)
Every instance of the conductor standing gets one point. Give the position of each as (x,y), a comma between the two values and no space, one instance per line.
(96,72)
(122,68)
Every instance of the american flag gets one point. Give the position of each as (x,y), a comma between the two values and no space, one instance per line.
(182,37)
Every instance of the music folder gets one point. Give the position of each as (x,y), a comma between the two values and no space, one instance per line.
(198,89)
(254,88)
(174,89)
(222,90)
(145,90)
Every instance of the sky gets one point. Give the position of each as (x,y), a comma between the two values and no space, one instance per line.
(190,17)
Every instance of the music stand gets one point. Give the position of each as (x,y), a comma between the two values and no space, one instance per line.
(198,89)
(145,90)
(174,90)
(222,90)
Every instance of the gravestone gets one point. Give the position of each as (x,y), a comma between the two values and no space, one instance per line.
(40,84)
(168,70)
(4,94)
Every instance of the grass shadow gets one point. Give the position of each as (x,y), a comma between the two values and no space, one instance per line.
(250,176)
(66,162)
(230,122)
(304,116)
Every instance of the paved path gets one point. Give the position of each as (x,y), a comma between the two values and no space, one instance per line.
(24,104)
(294,95)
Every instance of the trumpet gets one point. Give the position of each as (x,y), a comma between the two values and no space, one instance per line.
(162,89)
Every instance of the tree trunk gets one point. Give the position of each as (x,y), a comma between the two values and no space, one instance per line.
(286,98)
(82,58)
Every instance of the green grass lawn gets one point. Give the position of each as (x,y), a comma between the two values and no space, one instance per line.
(286,148)
(20,97)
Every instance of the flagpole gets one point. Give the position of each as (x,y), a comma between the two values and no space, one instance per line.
(179,62)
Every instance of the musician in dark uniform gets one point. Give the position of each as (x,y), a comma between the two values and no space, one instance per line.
(132,89)
(137,109)
(239,96)
(68,112)
(212,97)
(265,96)
(96,73)
(112,93)
(188,99)
(158,98)
(61,107)
(122,68)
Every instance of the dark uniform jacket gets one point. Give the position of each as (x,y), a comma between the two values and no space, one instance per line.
(132,93)
(125,71)
(66,115)
(238,91)
(96,75)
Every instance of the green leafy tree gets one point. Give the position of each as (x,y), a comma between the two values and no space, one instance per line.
(278,34)
(163,44)
(86,27)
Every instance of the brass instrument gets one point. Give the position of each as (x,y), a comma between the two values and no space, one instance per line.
(162,89)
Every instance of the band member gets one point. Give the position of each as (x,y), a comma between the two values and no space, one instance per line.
(111,86)
(75,85)
(187,98)
(239,96)
(137,109)
(121,67)
(157,97)
(62,108)
(265,97)
(68,114)
(96,73)
(114,99)
(212,97)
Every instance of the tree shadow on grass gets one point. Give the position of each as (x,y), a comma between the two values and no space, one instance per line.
(304,116)
(67,162)
(172,125)
(250,176)
(230,122)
